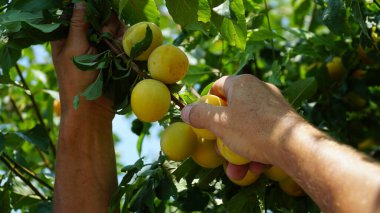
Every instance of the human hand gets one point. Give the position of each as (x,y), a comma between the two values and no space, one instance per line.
(71,80)
(253,123)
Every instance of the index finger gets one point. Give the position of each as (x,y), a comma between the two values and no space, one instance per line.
(221,87)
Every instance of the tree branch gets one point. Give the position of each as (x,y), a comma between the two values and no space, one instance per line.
(18,174)
(27,171)
(35,106)
(16,109)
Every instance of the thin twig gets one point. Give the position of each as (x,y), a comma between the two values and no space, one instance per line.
(27,171)
(177,102)
(35,106)
(126,60)
(18,174)
(16,109)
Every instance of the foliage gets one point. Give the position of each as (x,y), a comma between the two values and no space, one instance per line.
(287,43)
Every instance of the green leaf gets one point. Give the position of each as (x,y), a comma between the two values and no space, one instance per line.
(33,5)
(94,91)
(5,202)
(98,12)
(188,167)
(2,146)
(234,33)
(9,57)
(139,164)
(206,90)
(45,207)
(92,62)
(46,28)
(143,198)
(10,140)
(301,9)
(175,88)
(185,13)
(263,34)
(204,11)
(5,79)
(209,175)
(166,188)
(19,200)
(335,18)
(137,126)
(76,102)
(233,29)
(142,45)
(37,136)
(249,54)
(359,17)
(274,78)
(134,11)
(193,199)
(300,91)
(197,74)
(140,140)
(12,19)
(243,202)
(3,2)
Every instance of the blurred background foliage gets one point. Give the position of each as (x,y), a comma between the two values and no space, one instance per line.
(323,55)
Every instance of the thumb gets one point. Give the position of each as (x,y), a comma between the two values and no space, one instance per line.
(202,115)
(78,27)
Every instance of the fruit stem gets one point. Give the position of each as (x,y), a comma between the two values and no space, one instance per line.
(126,60)
(177,101)
(118,52)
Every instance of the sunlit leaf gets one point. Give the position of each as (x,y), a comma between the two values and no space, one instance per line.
(185,13)
(134,11)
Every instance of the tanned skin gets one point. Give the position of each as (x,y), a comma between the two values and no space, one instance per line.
(259,124)
(86,168)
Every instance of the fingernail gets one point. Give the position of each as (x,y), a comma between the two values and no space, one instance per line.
(80,5)
(185,113)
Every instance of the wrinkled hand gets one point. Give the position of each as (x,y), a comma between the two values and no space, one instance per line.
(252,124)
(71,80)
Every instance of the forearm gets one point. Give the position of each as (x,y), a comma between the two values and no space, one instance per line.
(338,178)
(86,164)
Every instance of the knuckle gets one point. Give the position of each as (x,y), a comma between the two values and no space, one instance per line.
(246,77)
